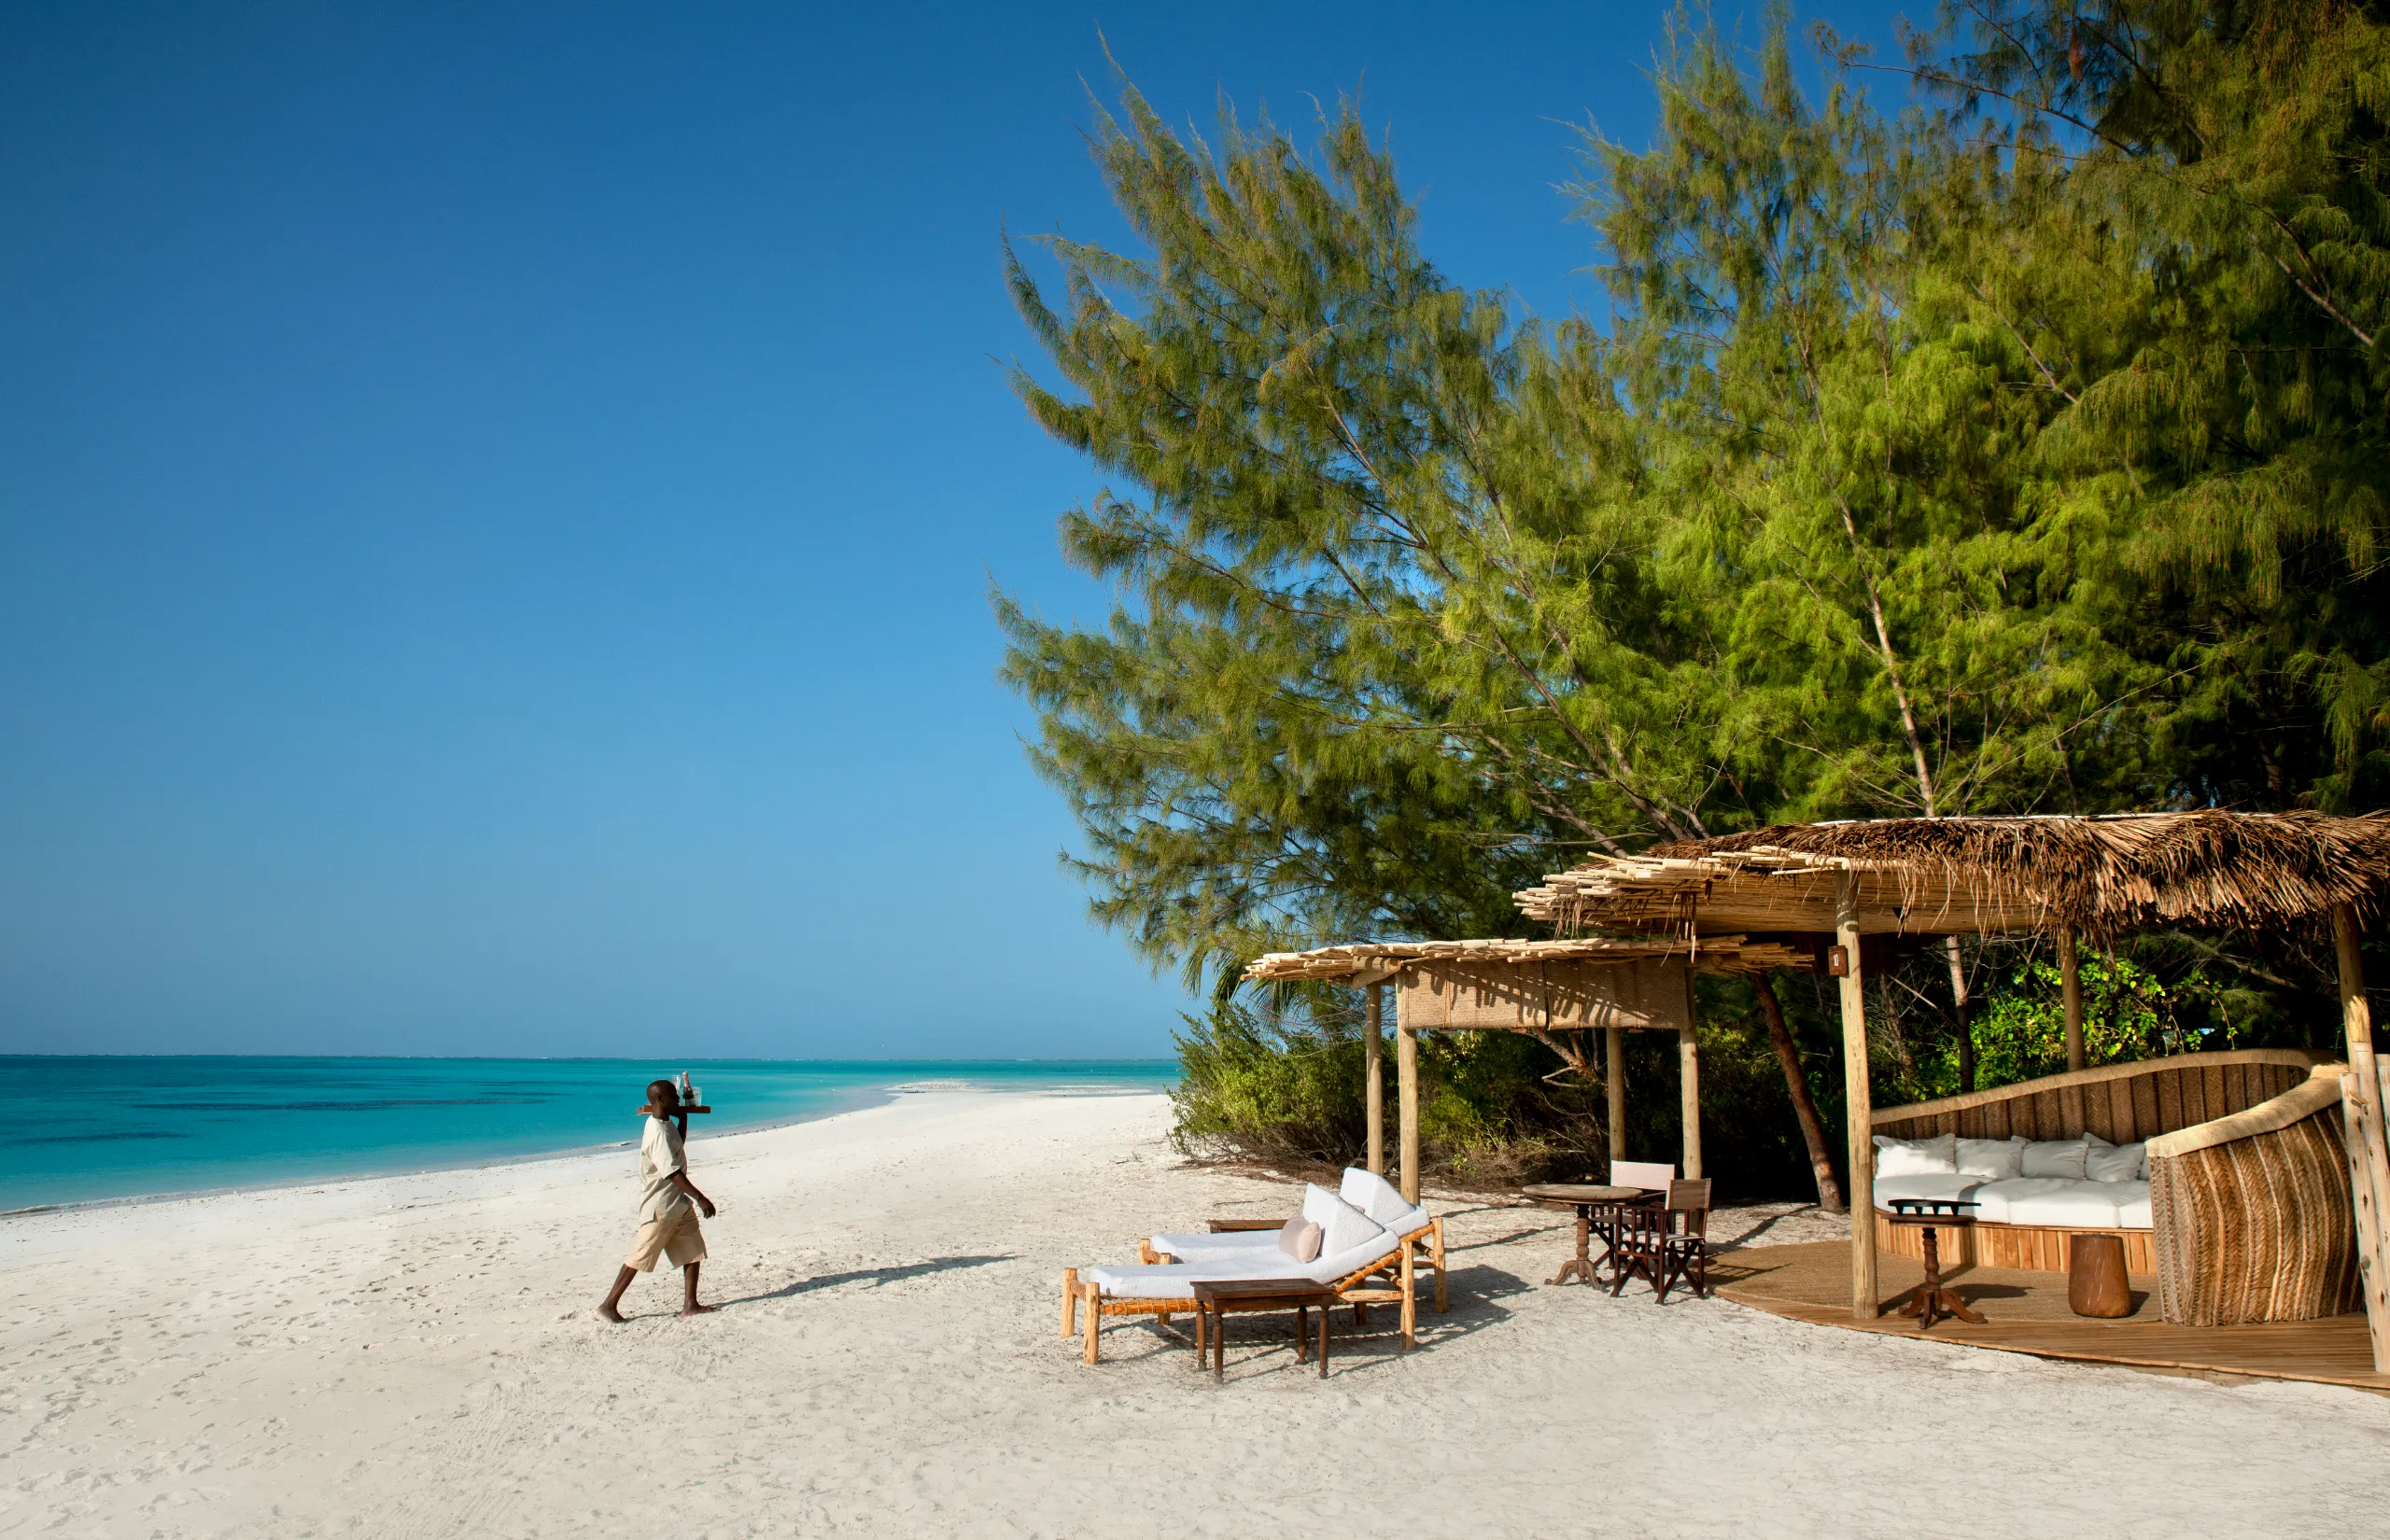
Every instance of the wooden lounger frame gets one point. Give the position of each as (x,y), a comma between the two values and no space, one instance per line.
(1396,1276)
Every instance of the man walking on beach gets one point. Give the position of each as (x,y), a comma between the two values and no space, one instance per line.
(668,1224)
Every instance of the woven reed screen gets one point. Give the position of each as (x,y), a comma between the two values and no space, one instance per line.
(2258,1229)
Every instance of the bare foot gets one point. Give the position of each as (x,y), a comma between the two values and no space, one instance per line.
(607,1313)
(697,1310)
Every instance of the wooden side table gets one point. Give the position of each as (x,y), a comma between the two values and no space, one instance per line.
(1215,1300)
(1929,1301)
(2096,1284)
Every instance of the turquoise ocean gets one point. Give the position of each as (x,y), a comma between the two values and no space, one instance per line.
(91,1128)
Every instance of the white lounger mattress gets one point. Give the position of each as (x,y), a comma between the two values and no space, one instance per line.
(1172,1280)
(2032,1199)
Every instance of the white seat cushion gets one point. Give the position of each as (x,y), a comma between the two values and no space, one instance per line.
(1937,1184)
(2077,1205)
(2132,1204)
(1995,1197)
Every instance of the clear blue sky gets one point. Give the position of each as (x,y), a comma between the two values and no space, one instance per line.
(497,501)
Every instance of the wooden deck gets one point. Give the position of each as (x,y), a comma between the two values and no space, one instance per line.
(2028,1313)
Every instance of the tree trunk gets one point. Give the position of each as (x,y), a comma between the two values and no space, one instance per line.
(1959,1015)
(1804,1107)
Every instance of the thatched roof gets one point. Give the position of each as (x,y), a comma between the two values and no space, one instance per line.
(1373,961)
(1987,876)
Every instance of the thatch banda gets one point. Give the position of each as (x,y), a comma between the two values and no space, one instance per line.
(1987,876)
(2007,875)
(1542,989)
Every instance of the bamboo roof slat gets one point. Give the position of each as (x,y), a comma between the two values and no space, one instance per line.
(1987,876)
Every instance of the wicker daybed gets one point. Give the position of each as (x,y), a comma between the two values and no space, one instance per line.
(2246,1204)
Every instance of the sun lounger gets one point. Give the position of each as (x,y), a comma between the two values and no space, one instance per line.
(1382,1270)
(1367,1191)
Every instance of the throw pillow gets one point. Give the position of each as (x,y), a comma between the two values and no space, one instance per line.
(1993,1158)
(1937,1156)
(1346,1229)
(1299,1240)
(2060,1158)
(2115,1163)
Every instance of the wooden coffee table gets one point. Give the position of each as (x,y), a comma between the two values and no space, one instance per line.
(1585,1197)
(1929,1301)
(1216,1298)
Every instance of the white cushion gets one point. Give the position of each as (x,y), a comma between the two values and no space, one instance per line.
(2132,1204)
(1934,1184)
(1373,1195)
(2096,1142)
(2113,1163)
(1332,1265)
(2061,1159)
(1916,1156)
(1174,1279)
(1345,1228)
(1992,1159)
(1382,1200)
(1198,1248)
(1992,1197)
(2076,1205)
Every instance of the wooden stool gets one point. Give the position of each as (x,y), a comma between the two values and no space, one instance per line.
(2095,1277)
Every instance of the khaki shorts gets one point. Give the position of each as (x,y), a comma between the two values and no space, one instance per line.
(675,1236)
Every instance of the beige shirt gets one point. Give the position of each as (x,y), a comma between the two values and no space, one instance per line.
(659,1158)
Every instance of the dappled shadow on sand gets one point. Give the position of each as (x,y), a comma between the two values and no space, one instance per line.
(869,1277)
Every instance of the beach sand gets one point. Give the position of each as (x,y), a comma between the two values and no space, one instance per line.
(417,1356)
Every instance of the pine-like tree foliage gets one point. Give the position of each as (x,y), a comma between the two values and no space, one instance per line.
(1389,628)
(2196,237)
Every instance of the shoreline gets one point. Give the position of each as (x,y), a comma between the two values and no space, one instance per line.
(864,1099)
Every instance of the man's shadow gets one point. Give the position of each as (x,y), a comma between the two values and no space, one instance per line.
(873,1277)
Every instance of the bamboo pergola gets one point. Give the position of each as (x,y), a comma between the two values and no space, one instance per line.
(1616,985)
(2059,876)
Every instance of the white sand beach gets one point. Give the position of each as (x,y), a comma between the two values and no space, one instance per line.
(418,1357)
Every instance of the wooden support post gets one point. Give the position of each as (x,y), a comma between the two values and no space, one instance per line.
(2368,1155)
(1406,1075)
(2069,988)
(1858,1102)
(1688,1084)
(1614,1084)
(1373,1081)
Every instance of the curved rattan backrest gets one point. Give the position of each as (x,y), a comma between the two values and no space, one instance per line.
(2119,1102)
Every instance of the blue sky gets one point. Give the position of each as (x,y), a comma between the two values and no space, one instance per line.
(496,503)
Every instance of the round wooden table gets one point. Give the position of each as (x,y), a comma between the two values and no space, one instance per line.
(1585,1197)
(1929,1301)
